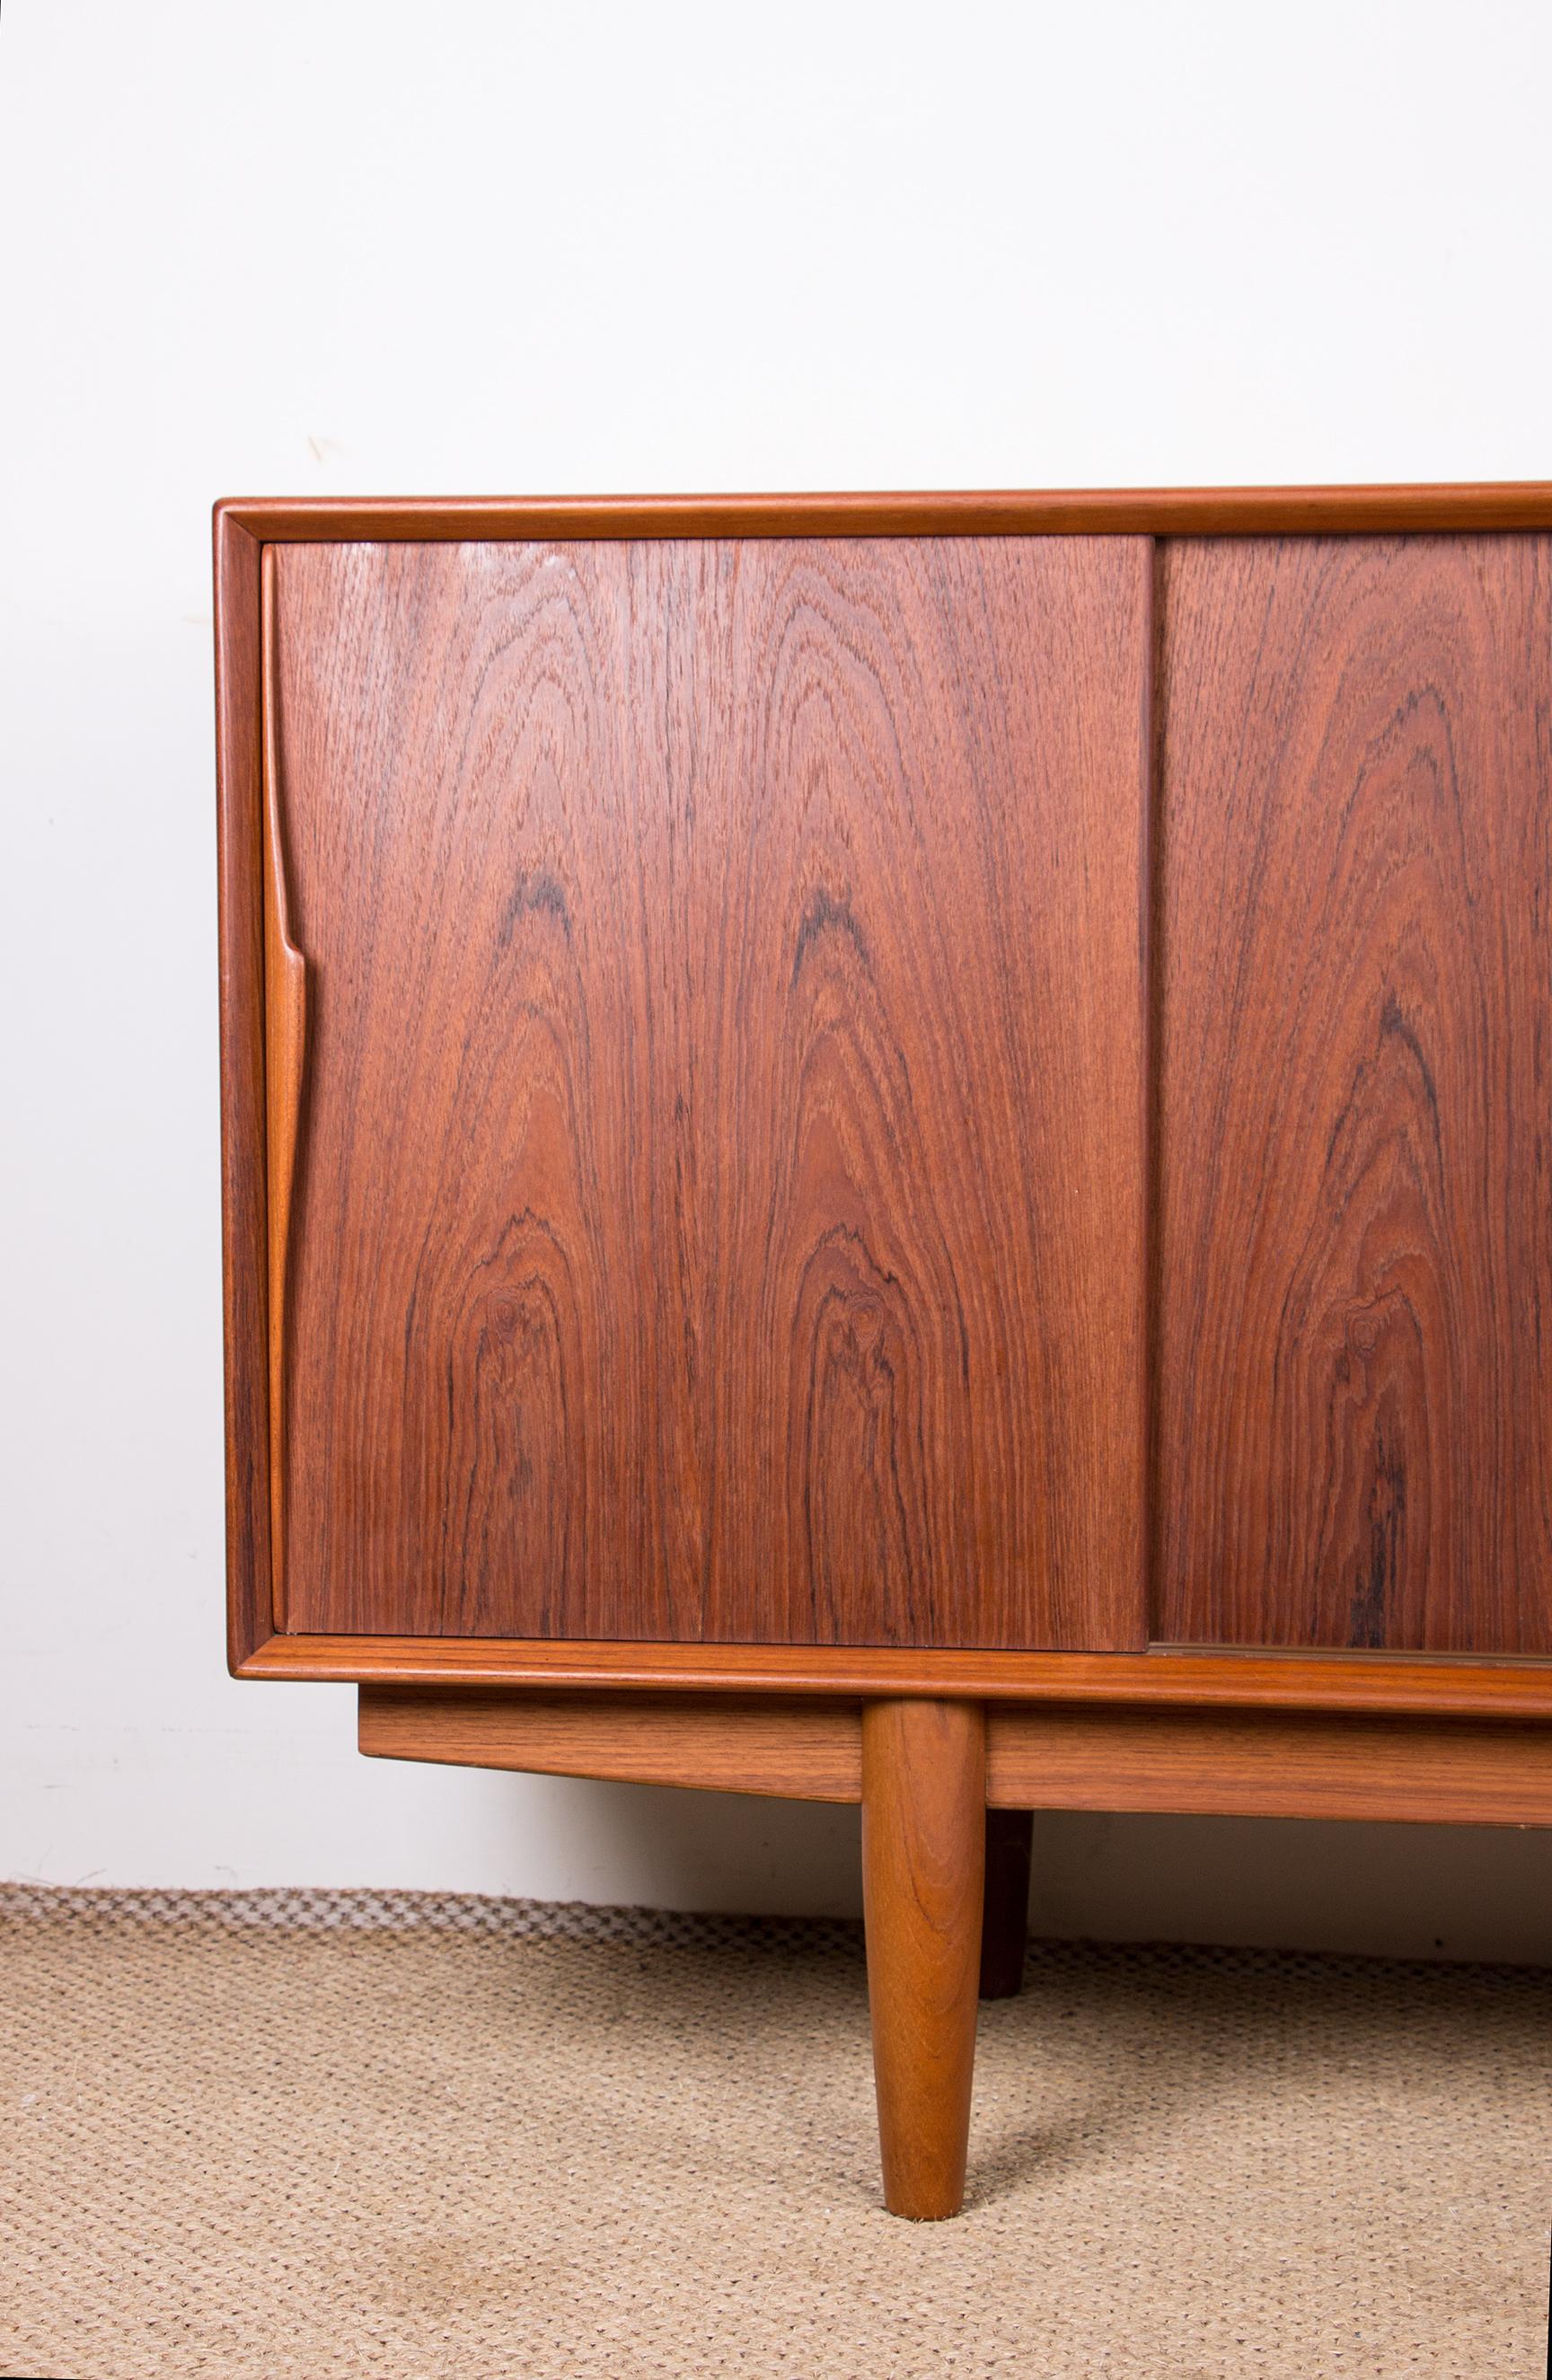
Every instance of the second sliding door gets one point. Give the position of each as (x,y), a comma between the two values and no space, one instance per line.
(1353,966)
(718,1202)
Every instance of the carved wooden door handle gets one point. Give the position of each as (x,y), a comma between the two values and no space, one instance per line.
(285,1004)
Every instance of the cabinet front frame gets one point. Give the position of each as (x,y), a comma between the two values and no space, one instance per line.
(1464,1686)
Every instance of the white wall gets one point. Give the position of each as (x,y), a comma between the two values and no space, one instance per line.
(487,246)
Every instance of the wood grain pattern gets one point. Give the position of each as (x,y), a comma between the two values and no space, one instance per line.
(923,1847)
(807,1752)
(1068,512)
(1261,1765)
(1164,1677)
(720,1196)
(1355,1433)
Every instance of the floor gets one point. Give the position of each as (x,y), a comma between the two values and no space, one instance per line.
(401,2137)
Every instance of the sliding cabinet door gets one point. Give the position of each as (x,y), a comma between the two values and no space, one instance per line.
(1354,977)
(717,1201)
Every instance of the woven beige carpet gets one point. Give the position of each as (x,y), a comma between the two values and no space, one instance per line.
(403,2137)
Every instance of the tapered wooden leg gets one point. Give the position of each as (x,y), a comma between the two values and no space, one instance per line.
(923,1873)
(1010,1836)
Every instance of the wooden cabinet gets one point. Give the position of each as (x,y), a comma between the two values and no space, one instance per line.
(899,1149)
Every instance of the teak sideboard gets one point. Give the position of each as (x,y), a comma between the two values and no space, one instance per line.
(899,1150)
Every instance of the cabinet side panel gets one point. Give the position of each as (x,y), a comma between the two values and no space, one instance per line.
(719,1197)
(249,1605)
(1354,1437)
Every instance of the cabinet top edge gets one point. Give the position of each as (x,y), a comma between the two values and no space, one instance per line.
(1109,512)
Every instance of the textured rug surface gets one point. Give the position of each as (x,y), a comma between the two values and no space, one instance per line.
(401,2137)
